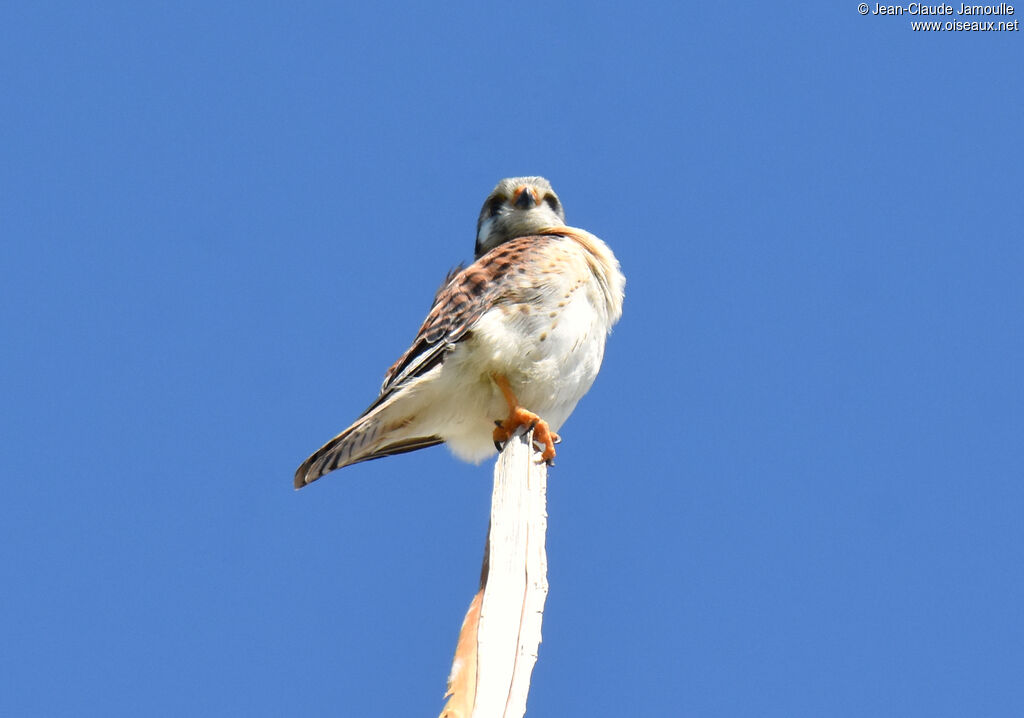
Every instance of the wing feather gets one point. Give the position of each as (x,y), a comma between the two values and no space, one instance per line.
(457,307)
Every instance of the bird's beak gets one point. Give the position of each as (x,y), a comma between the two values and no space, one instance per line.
(525,197)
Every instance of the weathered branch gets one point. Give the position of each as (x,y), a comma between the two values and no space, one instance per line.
(500,635)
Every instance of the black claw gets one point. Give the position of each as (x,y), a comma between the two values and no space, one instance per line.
(550,462)
(498,446)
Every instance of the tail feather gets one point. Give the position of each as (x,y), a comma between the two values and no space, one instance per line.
(368,438)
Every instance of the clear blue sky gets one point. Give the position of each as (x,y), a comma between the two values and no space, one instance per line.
(796,489)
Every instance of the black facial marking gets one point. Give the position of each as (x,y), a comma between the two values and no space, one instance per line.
(494,205)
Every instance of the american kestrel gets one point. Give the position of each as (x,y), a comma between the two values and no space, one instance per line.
(515,338)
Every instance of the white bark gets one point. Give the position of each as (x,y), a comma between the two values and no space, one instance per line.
(513,603)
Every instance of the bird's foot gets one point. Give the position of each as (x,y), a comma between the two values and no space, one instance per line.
(543,436)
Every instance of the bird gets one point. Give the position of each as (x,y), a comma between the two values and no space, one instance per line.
(514,339)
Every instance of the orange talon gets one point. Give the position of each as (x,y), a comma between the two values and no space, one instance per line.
(518,416)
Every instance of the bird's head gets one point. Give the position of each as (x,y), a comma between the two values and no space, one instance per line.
(517,207)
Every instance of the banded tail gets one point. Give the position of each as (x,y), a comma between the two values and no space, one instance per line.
(373,436)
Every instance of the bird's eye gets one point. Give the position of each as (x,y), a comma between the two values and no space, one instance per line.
(494,205)
(552,201)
